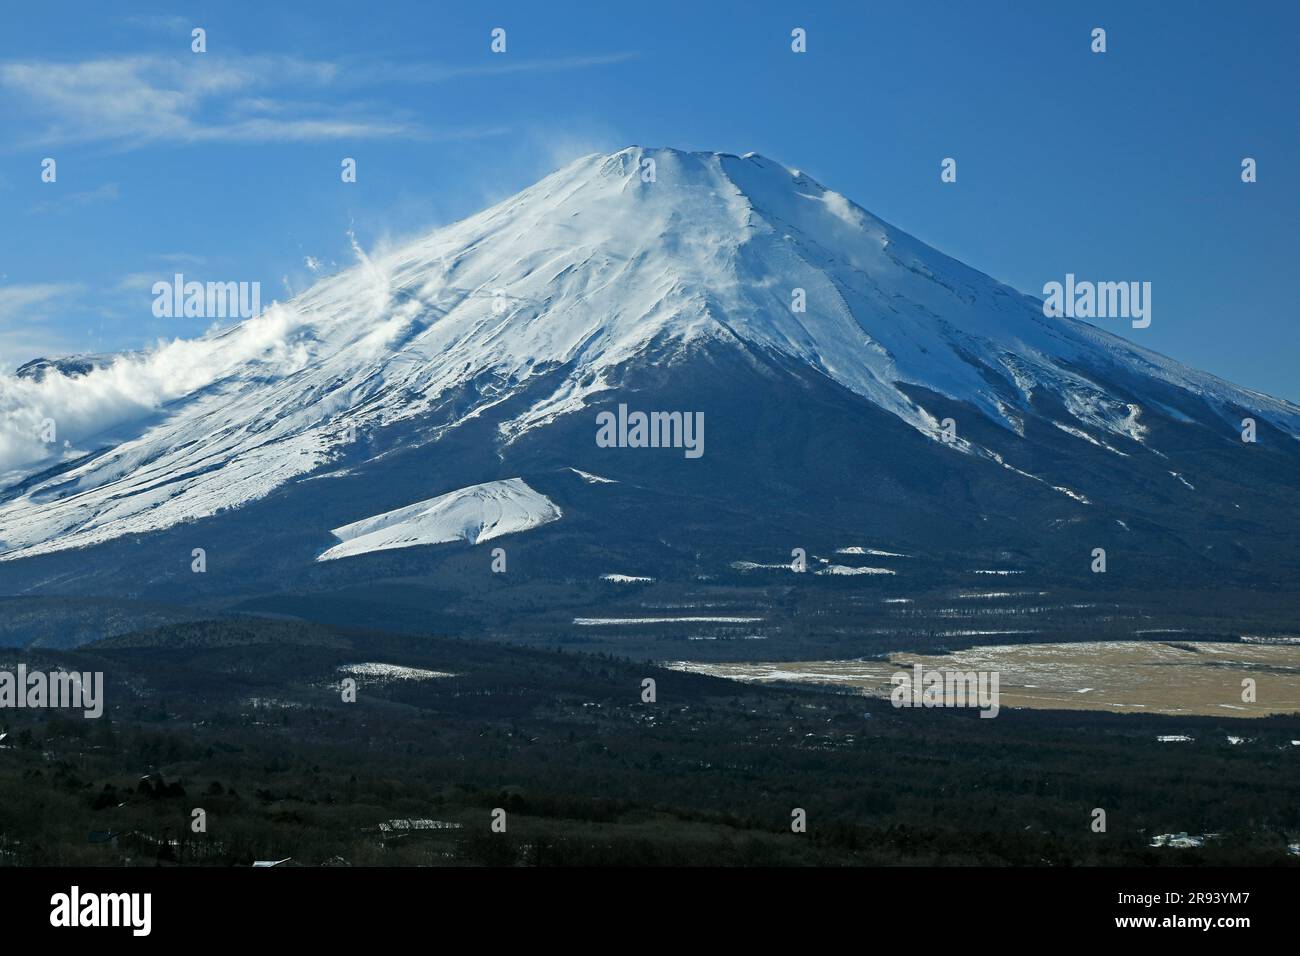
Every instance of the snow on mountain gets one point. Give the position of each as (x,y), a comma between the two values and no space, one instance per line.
(475,514)
(586,271)
(592,479)
(847,569)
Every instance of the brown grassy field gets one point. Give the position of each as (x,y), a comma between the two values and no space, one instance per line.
(1203,678)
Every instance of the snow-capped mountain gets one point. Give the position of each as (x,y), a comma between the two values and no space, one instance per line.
(662,280)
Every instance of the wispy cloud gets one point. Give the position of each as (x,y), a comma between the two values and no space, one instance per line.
(27,302)
(182,258)
(160,22)
(139,282)
(135,101)
(501,66)
(105,193)
(140,100)
(24,313)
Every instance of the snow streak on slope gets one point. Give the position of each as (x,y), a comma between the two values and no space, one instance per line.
(581,272)
(474,514)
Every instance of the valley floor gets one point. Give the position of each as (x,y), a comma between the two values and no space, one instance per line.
(1183,678)
(245,720)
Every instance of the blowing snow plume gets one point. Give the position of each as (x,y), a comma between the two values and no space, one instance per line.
(536,310)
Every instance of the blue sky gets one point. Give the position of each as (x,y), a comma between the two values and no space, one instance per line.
(225,165)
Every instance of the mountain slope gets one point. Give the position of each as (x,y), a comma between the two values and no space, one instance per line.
(484,351)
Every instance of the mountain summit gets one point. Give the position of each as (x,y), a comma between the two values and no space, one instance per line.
(851,377)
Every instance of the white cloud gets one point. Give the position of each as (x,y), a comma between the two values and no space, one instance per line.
(133,101)
(131,385)
(128,387)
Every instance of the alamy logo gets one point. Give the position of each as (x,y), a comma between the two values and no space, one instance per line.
(923,688)
(75,908)
(1098,300)
(651,430)
(212,300)
(60,689)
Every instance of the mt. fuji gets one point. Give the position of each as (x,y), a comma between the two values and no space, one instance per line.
(824,348)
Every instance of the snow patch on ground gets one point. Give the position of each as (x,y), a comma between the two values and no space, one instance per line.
(591,479)
(474,514)
(845,569)
(1080,433)
(386,672)
(601,621)
(755,566)
(1182,840)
